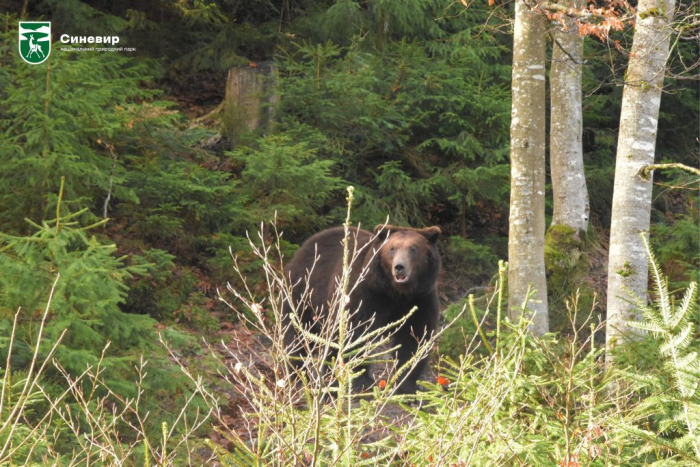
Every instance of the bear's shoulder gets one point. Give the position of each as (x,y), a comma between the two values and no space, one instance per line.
(331,240)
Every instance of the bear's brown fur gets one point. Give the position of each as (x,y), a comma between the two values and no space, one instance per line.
(403,274)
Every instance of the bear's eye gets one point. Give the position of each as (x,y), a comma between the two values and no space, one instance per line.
(392,249)
(413,249)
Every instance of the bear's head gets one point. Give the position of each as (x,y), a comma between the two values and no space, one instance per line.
(409,257)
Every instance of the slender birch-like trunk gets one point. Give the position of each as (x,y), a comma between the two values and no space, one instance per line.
(527,159)
(627,263)
(566,127)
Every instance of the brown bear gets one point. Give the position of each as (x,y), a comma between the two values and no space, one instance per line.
(401,275)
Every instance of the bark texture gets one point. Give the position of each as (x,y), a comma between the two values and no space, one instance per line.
(566,127)
(250,98)
(527,159)
(627,263)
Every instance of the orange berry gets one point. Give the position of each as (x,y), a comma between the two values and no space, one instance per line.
(442,381)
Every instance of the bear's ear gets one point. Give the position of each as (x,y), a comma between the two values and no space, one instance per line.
(386,229)
(431,233)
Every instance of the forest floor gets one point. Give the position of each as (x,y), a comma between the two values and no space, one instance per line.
(238,343)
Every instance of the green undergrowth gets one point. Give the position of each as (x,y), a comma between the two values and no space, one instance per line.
(568,264)
(570,259)
(83,341)
(509,399)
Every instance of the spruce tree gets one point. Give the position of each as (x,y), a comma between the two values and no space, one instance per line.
(86,299)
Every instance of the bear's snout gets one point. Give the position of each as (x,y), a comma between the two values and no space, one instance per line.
(401,269)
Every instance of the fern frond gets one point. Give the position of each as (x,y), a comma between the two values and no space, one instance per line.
(687,302)
(692,370)
(643,380)
(650,437)
(687,386)
(660,282)
(689,363)
(651,328)
(669,426)
(680,405)
(687,441)
(640,303)
(677,342)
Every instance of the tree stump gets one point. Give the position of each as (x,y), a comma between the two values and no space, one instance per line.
(251,95)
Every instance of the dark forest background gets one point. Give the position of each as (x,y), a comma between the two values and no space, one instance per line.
(408,101)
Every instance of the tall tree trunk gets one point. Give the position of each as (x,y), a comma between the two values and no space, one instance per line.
(566,127)
(627,263)
(527,159)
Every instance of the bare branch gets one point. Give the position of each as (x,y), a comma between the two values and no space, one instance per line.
(644,171)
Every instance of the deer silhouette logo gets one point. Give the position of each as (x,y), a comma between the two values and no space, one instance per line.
(34,41)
